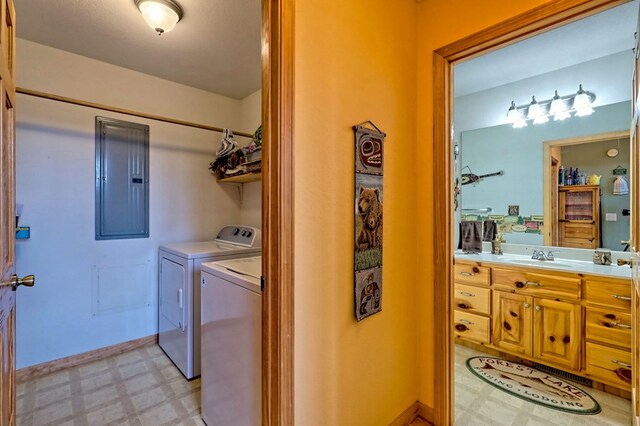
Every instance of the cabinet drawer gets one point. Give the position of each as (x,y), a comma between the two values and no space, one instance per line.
(608,326)
(610,293)
(472,299)
(471,327)
(471,274)
(610,365)
(578,231)
(559,285)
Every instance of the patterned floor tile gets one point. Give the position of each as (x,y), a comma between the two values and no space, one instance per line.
(138,388)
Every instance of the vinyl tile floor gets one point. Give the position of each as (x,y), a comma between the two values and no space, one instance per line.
(140,388)
(479,403)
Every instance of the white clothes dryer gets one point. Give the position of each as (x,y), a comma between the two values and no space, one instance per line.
(179,290)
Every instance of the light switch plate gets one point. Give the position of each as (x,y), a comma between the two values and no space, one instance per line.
(611,217)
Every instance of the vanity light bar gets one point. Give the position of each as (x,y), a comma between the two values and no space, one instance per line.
(558,107)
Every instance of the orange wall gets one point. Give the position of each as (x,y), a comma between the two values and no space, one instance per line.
(441,23)
(355,61)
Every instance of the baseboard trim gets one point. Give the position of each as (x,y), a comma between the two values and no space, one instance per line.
(407,415)
(425,412)
(415,410)
(28,373)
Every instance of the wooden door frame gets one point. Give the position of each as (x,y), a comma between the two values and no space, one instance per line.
(277,211)
(525,25)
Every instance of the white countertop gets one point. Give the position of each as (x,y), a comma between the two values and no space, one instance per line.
(559,264)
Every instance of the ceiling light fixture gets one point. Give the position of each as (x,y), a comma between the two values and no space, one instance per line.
(161,15)
(560,107)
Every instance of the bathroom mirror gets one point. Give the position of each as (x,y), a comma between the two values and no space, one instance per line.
(517,169)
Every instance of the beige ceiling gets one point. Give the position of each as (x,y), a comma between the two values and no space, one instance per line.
(215,47)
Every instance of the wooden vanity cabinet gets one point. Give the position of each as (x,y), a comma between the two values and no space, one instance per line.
(557,330)
(546,329)
(472,303)
(512,322)
(608,331)
(574,322)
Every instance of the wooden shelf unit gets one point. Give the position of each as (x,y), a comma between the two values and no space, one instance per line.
(243,178)
(579,216)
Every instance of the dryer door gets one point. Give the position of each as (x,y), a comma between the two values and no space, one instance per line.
(172,294)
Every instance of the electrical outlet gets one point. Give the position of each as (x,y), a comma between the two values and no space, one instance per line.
(611,217)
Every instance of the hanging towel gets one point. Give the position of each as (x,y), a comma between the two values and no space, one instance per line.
(490,230)
(471,236)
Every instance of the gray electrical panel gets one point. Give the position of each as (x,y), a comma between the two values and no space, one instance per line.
(122,179)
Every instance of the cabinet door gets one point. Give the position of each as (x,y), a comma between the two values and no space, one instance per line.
(556,333)
(512,322)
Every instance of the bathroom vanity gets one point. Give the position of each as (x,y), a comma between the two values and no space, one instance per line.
(570,315)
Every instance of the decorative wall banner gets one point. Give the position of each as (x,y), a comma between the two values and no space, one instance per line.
(369,160)
(533,224)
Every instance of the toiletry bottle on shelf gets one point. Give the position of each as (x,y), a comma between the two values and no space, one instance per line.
(583,179)
(575,177)
(561,176)
(569,180)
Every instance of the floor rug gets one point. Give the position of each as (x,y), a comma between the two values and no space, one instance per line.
(533,385)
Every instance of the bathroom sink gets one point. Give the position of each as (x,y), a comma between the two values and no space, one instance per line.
(545,263)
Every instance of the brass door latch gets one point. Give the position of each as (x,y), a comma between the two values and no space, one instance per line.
(14,282)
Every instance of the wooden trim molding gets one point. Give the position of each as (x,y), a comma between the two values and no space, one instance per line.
(425,412)
(277,212)
(45,368)
(535,21)
(407,415)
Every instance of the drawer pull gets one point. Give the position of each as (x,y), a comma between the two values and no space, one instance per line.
(465,322)
(467,274)
(461,327)
(621,364)
(521,284)
(464,293)
(463,306)
(619,325)
(538,307)
(617,296)
(526,305)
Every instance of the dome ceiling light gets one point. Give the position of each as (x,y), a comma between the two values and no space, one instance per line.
(161,15)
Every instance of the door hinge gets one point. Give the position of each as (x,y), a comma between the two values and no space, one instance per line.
(262,283)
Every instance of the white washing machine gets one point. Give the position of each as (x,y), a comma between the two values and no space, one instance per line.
(232,342)
(179,290)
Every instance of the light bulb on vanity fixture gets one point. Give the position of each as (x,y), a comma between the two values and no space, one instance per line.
(516,117)
(582,103)
(560,107)
(161,15)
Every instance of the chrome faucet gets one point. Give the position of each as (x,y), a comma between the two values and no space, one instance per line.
(540,255)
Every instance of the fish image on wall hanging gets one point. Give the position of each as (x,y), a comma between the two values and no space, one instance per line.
(368,213)
(468,178)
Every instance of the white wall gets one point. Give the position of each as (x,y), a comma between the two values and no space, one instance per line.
(55,182)
(251,118)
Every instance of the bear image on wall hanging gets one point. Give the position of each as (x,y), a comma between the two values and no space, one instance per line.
(368,223)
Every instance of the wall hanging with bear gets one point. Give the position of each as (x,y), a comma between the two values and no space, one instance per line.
(369,161)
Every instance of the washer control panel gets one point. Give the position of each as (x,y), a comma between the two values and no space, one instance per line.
(246,236)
